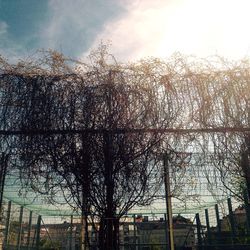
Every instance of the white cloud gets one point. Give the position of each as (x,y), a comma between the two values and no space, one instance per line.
(63,13)
(72,25)
(160,28)
(3,28)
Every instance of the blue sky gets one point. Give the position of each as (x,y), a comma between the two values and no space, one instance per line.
(67,26)
(136,28)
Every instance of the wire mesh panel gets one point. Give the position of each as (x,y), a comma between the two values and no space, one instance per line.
(212,229)
(3,221)
(222,227)
(18,228)
(57,233)
(13,237)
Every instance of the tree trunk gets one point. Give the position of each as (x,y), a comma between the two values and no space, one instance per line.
(109,234)
(101,240)
(109,230)
(116,234)
(109,187)
(83,221)
(85,164)
(84,231)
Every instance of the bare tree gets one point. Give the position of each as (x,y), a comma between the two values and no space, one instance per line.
(221,96)
(83,130)
(96,130)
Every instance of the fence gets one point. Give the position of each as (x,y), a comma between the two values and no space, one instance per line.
(23,229)
(231,231)
(20,228)
(220,227)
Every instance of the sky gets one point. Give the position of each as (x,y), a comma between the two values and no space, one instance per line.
(134,28)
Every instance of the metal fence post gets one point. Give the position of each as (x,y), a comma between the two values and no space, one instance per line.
(7,226)
(134,233)
(38,228)
(71,232)
(198,225)
(29,230)
(218,223)
(20,228)
(231,218)
(166,229)
(168,203)
(3,170)
(208,227)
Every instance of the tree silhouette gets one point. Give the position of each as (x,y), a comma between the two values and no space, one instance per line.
(77,133)
(96,131)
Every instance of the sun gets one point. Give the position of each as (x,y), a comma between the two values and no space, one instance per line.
(160,28)
(207,27)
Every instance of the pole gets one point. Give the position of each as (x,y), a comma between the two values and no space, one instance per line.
(7,229)
(218,223)
(38,228)
(20,228)
(208,228)
(168,204)
(3,170)
(134,226)
(166,229)
(29,230)
(231,218)
(71,232)
(198,225)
